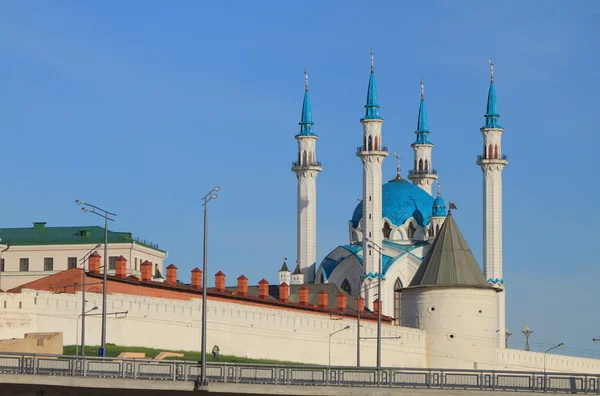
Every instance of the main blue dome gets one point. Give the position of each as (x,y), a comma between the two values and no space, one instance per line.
(401,200)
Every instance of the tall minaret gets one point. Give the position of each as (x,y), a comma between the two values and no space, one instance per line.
(422,174)
(307,168)
(372,152)
(492,162)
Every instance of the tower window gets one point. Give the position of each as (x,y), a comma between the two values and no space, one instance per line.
(304,158)
(426,166)
(410,231)
(370,143)
(496,151)
(490,156)
(376,144)
(369,198)
(437,229)
(431,230)
(420,165)
(386,230)
(369,234)
(369,216)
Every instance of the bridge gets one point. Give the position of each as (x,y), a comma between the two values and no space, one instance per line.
(50,375)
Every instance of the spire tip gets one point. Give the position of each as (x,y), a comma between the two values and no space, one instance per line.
(305,80)
(372,60)
(491,71)
(422,89)
(398,167)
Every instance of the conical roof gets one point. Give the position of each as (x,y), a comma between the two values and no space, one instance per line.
(449,262)
(284,267)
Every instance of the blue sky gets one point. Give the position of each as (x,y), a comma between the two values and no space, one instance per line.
(143,107)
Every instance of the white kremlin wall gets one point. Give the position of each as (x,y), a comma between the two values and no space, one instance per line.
(248,331)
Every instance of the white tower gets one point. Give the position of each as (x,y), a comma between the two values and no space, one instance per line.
(438,215)
(492,163)
(307,168)
(423,175)
(372,153)
(284,273)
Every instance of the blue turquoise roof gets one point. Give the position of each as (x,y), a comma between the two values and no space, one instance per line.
(328,265)
(491,114)
(400,201)
(372,105)
(422,127)
(439,207)
(306,122)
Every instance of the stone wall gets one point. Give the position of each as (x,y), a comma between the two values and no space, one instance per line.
(49,343)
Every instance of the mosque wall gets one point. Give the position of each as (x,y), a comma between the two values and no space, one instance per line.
(238,328)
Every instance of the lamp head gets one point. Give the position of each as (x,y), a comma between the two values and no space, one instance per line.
(346,328)
(79,202)
(85,210)
(213,196)
(95,308)
(561,344)
(216,189)
(370,246)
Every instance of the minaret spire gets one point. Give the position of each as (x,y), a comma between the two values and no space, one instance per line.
(492,163)
(398,176)
(372,60)
(422,175)
(306,168)
(372,105)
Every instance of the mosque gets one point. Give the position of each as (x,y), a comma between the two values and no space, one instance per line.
(393,228)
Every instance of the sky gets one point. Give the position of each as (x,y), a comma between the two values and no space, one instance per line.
(142,107)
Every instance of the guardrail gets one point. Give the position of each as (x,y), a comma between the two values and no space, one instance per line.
(174,370)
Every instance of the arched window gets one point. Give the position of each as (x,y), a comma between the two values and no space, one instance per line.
(386,230)
(304,158)
(310,158)
(376,144)
(346,286)
(420,165)
(370,143)
(397,287)
(426,166)
(365,143)
(411,230)
(322,278)
(415,164)
(496,151)
(490,156)
(431,231)
(437,229)
(354,236)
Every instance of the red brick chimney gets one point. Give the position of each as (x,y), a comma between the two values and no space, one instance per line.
(242,288)
(94,263)
(220,281)
(263,289)
(323,297)
(284,293)
(196,278)
(121,267)
(303,295)
(171,274)
(360,304)
(146,270)
(341,302)
(376,306)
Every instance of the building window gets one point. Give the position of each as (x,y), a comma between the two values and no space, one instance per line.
(136,263)
(386,230)
(411,231)
(72,262)
(48,264)
(23,264)
(397,287)
(112,263)
(1,265)
(346,286)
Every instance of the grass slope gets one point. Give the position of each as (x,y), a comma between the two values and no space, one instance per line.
(114,351)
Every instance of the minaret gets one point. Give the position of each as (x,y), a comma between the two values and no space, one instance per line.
(438,215)
(492,162)
(372,153)
(307,168)
(423,174)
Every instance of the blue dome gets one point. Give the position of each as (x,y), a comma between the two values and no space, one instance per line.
(439,207)
(401,200)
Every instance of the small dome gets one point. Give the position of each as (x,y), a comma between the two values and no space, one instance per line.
(400,200)
(439,207)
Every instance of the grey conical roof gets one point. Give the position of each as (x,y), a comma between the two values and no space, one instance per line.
(297,271)
(284,267)
(449,262)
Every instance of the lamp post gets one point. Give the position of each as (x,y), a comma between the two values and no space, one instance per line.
(545,378)
(506,335)
(527,333)
(83,260)
(89,208)
(331,335)
(379,249)
(77,332)
(211,195)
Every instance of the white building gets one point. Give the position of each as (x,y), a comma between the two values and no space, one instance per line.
(39,251)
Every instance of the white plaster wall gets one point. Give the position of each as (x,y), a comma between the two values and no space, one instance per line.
(460,324)
(12,277)
(238,329)
(423,180)
(513,359)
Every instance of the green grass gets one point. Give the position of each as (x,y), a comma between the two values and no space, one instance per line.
(114,351)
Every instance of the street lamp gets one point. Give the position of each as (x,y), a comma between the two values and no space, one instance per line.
(211,195)
(373,245)
(527,333)
(77,332)
(545,378)
(331,335)
(89,208)
(506,335)
(83,285)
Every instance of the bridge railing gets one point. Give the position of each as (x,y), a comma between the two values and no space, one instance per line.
(176,370)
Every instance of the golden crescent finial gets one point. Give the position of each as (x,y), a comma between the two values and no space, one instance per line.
(398,167)
(491,70)
(372,60)
(422,89)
